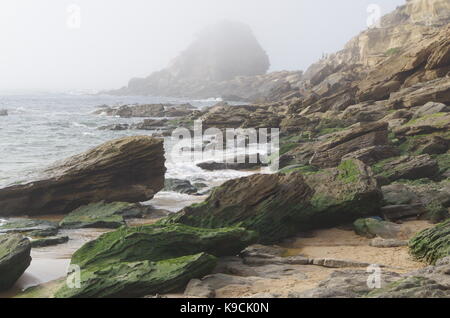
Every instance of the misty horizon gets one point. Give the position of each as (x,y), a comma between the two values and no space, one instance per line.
(44,50)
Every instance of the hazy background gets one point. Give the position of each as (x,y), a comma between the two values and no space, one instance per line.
(120,39)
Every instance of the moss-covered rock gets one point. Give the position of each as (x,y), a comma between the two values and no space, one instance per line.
(102,215)
(138,279)
(412,287)
(49,241)
(432,244)
(155,242)
(14,258)
(280,205)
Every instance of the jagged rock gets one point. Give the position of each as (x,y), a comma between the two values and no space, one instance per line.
(330,152)
(3,112)
(103,215)
(32,227)
(406,167)
(178,185)
(137,279)
(430,108)
(371,228)
(279,205)
(396,212)
(387,243)
(337,263)
(150,124)
(155,242)
(49,241)
(115,127)
(129,169)
(350,283)
(432,244)
(14,258)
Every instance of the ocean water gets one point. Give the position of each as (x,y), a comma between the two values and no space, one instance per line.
(42,129)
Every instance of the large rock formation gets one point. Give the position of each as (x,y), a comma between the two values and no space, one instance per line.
(129,169)
(219,54)
(279,205)
(14,258)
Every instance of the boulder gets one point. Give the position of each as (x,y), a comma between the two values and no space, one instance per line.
(406,167)
(138,279)
(432,244)
(103,215)
(156,242)
(330,152)
(14,258)
(129,169)
(235,165)
(280,205)
(371,227)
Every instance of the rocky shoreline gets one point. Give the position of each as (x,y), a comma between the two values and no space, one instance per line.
(363,187)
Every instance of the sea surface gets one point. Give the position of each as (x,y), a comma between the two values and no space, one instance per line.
(43,128)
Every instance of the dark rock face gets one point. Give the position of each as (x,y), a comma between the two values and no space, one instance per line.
(129,169)
(14,258)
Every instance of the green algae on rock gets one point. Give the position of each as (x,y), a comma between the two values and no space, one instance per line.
(138,279)
(14,258)
(156,242)
(432,244)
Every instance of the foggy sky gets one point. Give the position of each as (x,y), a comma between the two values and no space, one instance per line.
(41,48)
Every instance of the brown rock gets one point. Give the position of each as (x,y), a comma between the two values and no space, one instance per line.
(129,169)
